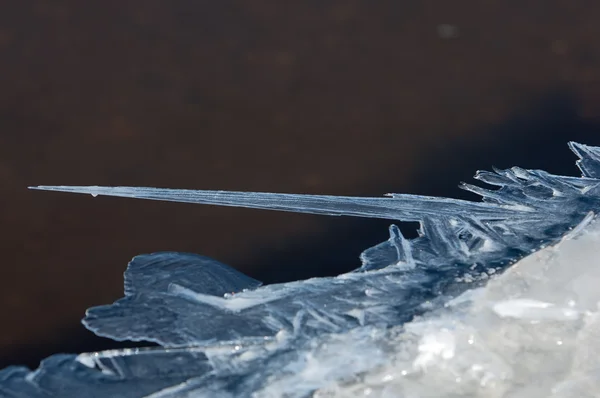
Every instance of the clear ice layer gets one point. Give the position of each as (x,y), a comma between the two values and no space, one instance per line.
(450,313)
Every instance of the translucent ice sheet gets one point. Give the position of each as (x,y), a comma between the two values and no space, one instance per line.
(425,317)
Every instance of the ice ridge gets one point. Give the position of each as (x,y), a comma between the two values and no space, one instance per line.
(224,335)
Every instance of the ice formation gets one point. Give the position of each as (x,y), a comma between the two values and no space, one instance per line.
(498,298)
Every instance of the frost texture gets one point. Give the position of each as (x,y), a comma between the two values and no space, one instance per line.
(425,317)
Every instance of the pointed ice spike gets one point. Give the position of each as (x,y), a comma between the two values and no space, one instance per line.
(589,159)
(395,207)
(404,246)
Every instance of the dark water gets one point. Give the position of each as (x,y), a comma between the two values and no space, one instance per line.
(345,98)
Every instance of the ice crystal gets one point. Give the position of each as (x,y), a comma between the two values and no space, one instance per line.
(450,313)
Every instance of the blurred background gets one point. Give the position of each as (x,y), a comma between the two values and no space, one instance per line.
(337,97)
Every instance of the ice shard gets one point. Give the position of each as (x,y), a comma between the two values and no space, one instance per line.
(495,298)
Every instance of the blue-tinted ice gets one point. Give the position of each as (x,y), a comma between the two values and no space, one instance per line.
(223,334)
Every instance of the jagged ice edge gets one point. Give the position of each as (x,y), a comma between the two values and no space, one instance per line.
(182,300)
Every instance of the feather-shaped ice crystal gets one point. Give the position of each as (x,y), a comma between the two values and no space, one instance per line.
(430,316)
